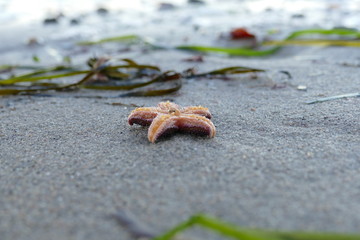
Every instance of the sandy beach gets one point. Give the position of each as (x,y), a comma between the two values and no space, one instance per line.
(67,163)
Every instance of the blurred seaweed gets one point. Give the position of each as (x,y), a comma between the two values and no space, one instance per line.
(352,40)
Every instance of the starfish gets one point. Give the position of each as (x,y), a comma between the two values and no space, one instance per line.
(169,117)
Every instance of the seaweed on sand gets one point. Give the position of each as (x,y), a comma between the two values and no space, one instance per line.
(140,230)
(291,39)
(106,74)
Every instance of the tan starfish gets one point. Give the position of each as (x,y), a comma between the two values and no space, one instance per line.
(169,117)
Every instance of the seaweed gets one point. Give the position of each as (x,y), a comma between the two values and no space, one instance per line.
(241,233)
(107,74)
(342,96)
(135,228)
(291,39)
(129,39)
(138,229)
(125,38)
(315,42)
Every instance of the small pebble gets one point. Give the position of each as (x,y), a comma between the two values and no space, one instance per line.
(301,88)
(102,11)
(74,21)
(196,2)
(50,21)
(298,15)
(166,6)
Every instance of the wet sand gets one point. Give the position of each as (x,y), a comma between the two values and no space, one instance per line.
(67,164)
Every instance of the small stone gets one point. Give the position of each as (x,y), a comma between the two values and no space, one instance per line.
(196,2)
(102,11)
(298,15)
(166,6)
(301,88)
(33,41)
(48,21)
(74,21)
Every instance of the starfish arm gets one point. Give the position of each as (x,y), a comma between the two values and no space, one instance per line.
(196,124)
(202,111)
(142,116)
(162,125)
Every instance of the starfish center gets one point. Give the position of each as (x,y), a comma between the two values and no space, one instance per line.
(174,111)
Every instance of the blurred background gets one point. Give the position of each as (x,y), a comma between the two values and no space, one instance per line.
(58,24)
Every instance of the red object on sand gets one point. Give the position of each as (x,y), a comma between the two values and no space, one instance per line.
(241,33)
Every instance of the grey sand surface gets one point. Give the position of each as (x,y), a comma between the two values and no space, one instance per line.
(67,164)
